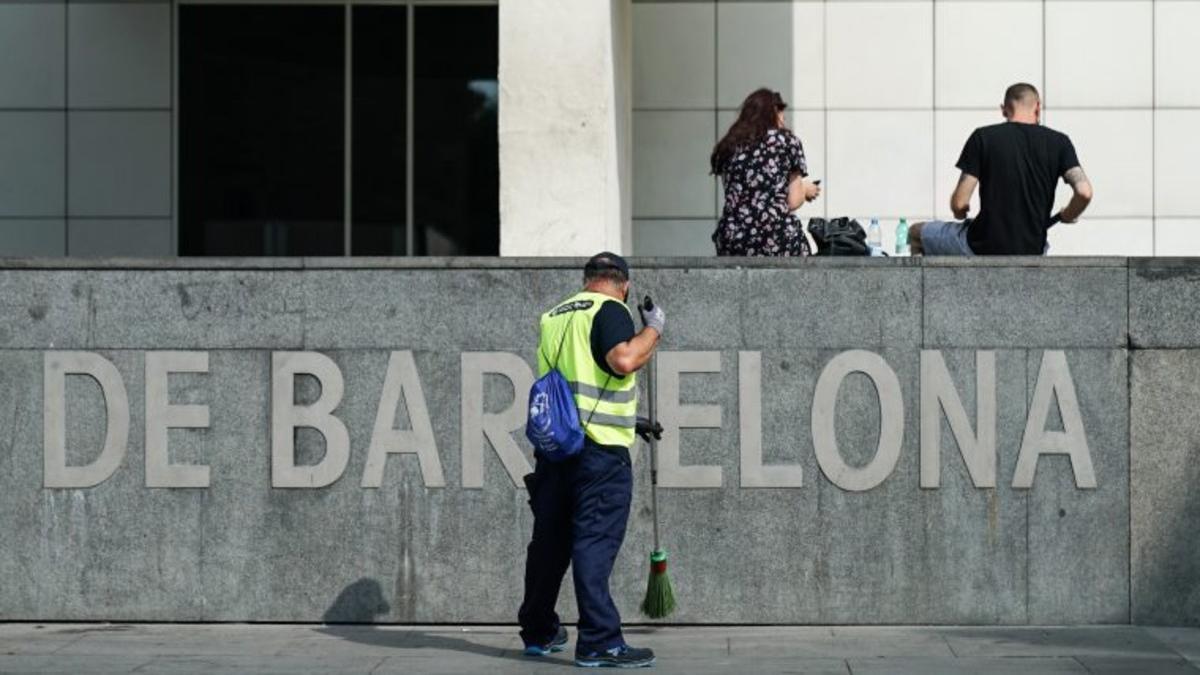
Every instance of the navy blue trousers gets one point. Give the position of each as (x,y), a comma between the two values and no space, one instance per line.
(580,509)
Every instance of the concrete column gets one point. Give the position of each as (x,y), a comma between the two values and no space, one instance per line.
(565,127)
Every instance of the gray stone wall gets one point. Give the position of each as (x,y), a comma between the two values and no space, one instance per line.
(1091,356)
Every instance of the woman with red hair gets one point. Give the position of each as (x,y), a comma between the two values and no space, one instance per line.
(762,167)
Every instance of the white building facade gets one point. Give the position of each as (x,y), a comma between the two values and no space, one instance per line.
(558,127)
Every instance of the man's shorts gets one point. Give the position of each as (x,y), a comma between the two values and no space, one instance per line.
(945,237)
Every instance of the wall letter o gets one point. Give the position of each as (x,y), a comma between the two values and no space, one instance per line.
(891,420)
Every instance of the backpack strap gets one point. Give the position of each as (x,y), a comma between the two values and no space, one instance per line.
(562,341)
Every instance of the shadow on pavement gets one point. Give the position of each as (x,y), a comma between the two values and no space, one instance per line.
(355,611)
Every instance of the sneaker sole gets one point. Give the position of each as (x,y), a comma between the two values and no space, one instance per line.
(538,651)
(614,664)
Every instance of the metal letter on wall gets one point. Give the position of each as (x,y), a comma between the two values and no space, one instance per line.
(286,416)
(161,415)
(753,473)
(497,428)
(402,382)
(978,449)
(55,368)
(891,420)
(1054,382)
(675,416)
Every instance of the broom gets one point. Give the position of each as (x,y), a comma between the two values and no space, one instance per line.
(660,597)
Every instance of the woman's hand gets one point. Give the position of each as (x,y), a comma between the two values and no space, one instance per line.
(800,191)
(811,191)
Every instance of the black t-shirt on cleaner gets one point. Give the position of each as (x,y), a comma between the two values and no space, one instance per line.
(611,326)
(1018,166)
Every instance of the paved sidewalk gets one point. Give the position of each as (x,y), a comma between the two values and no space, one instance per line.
(176,649)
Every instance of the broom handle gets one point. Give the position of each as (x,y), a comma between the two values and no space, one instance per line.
(652,373)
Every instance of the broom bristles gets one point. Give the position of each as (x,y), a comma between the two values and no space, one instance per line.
(660,597)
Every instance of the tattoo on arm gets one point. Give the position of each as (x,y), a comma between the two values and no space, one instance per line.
(1075,176)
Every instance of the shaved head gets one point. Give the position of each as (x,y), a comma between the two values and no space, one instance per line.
(1021,95)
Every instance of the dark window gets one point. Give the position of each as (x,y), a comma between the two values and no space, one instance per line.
(456,196)
(263,133)
(261,130)
(378,178)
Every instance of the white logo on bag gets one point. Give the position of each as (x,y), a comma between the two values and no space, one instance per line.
(540,405)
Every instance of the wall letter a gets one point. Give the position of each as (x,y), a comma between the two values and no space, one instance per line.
(1054,381)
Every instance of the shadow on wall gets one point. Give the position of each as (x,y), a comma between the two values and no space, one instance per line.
(359,607)
(360,602)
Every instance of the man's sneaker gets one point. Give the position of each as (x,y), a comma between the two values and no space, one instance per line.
(556,645)
(617,657)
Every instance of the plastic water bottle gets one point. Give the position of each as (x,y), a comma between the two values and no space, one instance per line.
(875,238)
(902,237)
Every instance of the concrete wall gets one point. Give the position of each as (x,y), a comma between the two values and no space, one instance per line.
(564,127)
(884,94)
(1096,357)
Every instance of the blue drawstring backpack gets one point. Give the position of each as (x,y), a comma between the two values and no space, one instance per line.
(553,423)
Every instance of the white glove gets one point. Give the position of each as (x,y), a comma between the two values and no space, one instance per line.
(654,317)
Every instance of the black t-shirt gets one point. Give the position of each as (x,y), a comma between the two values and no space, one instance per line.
(611,326)
(1018,166)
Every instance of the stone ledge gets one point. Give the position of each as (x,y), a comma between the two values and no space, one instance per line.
(490,263)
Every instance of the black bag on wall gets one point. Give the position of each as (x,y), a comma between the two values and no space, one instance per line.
(838,236)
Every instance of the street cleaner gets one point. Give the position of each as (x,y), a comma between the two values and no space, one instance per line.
(581,497)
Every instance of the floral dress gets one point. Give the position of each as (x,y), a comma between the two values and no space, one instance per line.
(756,220)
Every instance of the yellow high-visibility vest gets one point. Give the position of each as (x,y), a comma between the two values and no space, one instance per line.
(607,404)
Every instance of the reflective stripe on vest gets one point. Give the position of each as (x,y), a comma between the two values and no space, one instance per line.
(607,405)
(603,394)
(611,420)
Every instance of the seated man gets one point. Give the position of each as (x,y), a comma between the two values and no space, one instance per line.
(1017,163)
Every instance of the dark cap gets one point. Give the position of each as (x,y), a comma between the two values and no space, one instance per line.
(607,261)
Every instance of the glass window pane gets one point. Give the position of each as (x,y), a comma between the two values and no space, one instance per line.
(456,173)
(378,160)
(261,130)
